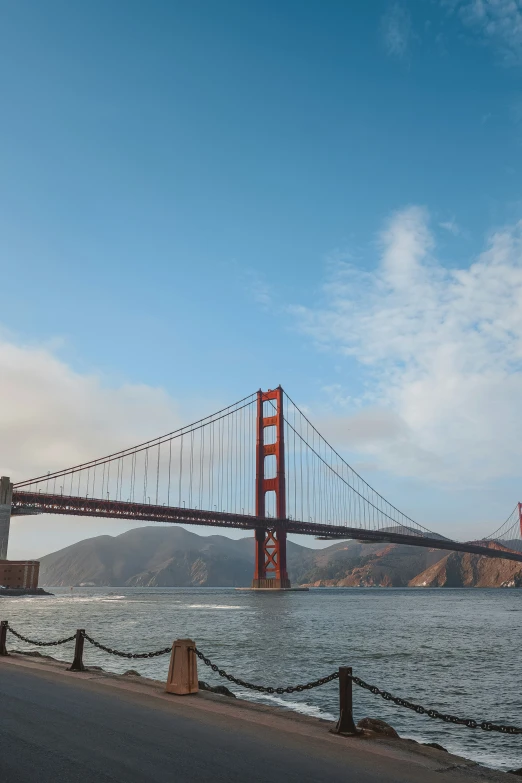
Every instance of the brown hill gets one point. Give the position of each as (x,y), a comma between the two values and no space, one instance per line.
(354,564)
(461,569)
(159,557)
(174,557)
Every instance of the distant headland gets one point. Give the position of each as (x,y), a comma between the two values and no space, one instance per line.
(175,557)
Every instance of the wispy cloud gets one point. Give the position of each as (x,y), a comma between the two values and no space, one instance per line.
(498,22)
(443,351)
(259,289)
(396,30)
(451,225)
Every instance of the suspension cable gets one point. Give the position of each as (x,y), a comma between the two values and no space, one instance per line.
(142,446)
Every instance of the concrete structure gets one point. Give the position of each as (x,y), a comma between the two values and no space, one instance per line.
(19,574)
(6,496)
(15,574)
(183,670)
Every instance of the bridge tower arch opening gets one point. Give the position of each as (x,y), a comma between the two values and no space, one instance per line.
(270,542)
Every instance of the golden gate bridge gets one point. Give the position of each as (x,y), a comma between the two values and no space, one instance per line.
(259,464)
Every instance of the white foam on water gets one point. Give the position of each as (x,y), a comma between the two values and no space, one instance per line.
(31,598)
(211,606)
(479,755)
(294,706)
(84,599)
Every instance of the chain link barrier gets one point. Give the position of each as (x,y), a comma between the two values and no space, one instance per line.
(470,723)
(263,688)
(485,725)
(155,654)
(41,644)
(419,709)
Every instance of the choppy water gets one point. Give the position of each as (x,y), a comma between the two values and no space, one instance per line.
(457,651)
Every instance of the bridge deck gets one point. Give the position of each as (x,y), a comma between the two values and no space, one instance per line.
(35,502)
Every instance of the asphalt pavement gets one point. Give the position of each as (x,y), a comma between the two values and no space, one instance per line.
(58,730)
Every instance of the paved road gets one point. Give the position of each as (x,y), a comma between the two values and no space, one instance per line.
(56,730)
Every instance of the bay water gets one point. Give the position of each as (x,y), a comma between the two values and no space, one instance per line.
(454,650)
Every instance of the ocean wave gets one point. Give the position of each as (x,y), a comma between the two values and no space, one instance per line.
(295,706)
(80,599)
(31,598)
(210,606)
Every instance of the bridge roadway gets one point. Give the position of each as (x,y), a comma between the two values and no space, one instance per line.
(40,503)
(60,727)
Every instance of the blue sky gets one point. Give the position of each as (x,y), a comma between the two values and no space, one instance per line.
(199,199)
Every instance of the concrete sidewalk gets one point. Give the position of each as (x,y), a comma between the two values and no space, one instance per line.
(58,726)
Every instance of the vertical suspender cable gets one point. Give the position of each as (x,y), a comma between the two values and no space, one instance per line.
(170,463)
(158,471)
(180,468)
(191,465)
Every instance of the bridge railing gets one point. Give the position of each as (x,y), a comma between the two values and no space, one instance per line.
(182,679)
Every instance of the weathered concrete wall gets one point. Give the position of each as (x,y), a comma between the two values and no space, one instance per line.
(6,494)
(22,574)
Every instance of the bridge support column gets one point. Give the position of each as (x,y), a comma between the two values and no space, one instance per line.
(270,557)
(6,496)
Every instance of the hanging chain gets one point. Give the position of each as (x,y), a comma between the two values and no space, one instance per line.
(109,650)
(469,722)
(40,644)
(262,688)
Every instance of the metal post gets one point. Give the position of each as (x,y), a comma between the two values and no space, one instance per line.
(345,724)
(77,664)
(3,637)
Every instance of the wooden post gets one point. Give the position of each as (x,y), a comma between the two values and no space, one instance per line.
(183,670)
(77,664)
(3,637)
(345,724)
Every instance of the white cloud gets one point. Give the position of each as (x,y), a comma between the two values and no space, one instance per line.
(396,30)
(261,291)
(52,417)
(498,22)
(451,226)
(443,349)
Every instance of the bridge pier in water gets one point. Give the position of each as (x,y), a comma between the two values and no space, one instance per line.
(270,556)
(6,495)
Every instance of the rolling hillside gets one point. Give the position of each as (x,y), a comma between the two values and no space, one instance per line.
(174,557)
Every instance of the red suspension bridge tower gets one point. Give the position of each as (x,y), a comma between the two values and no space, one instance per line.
(270,555)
